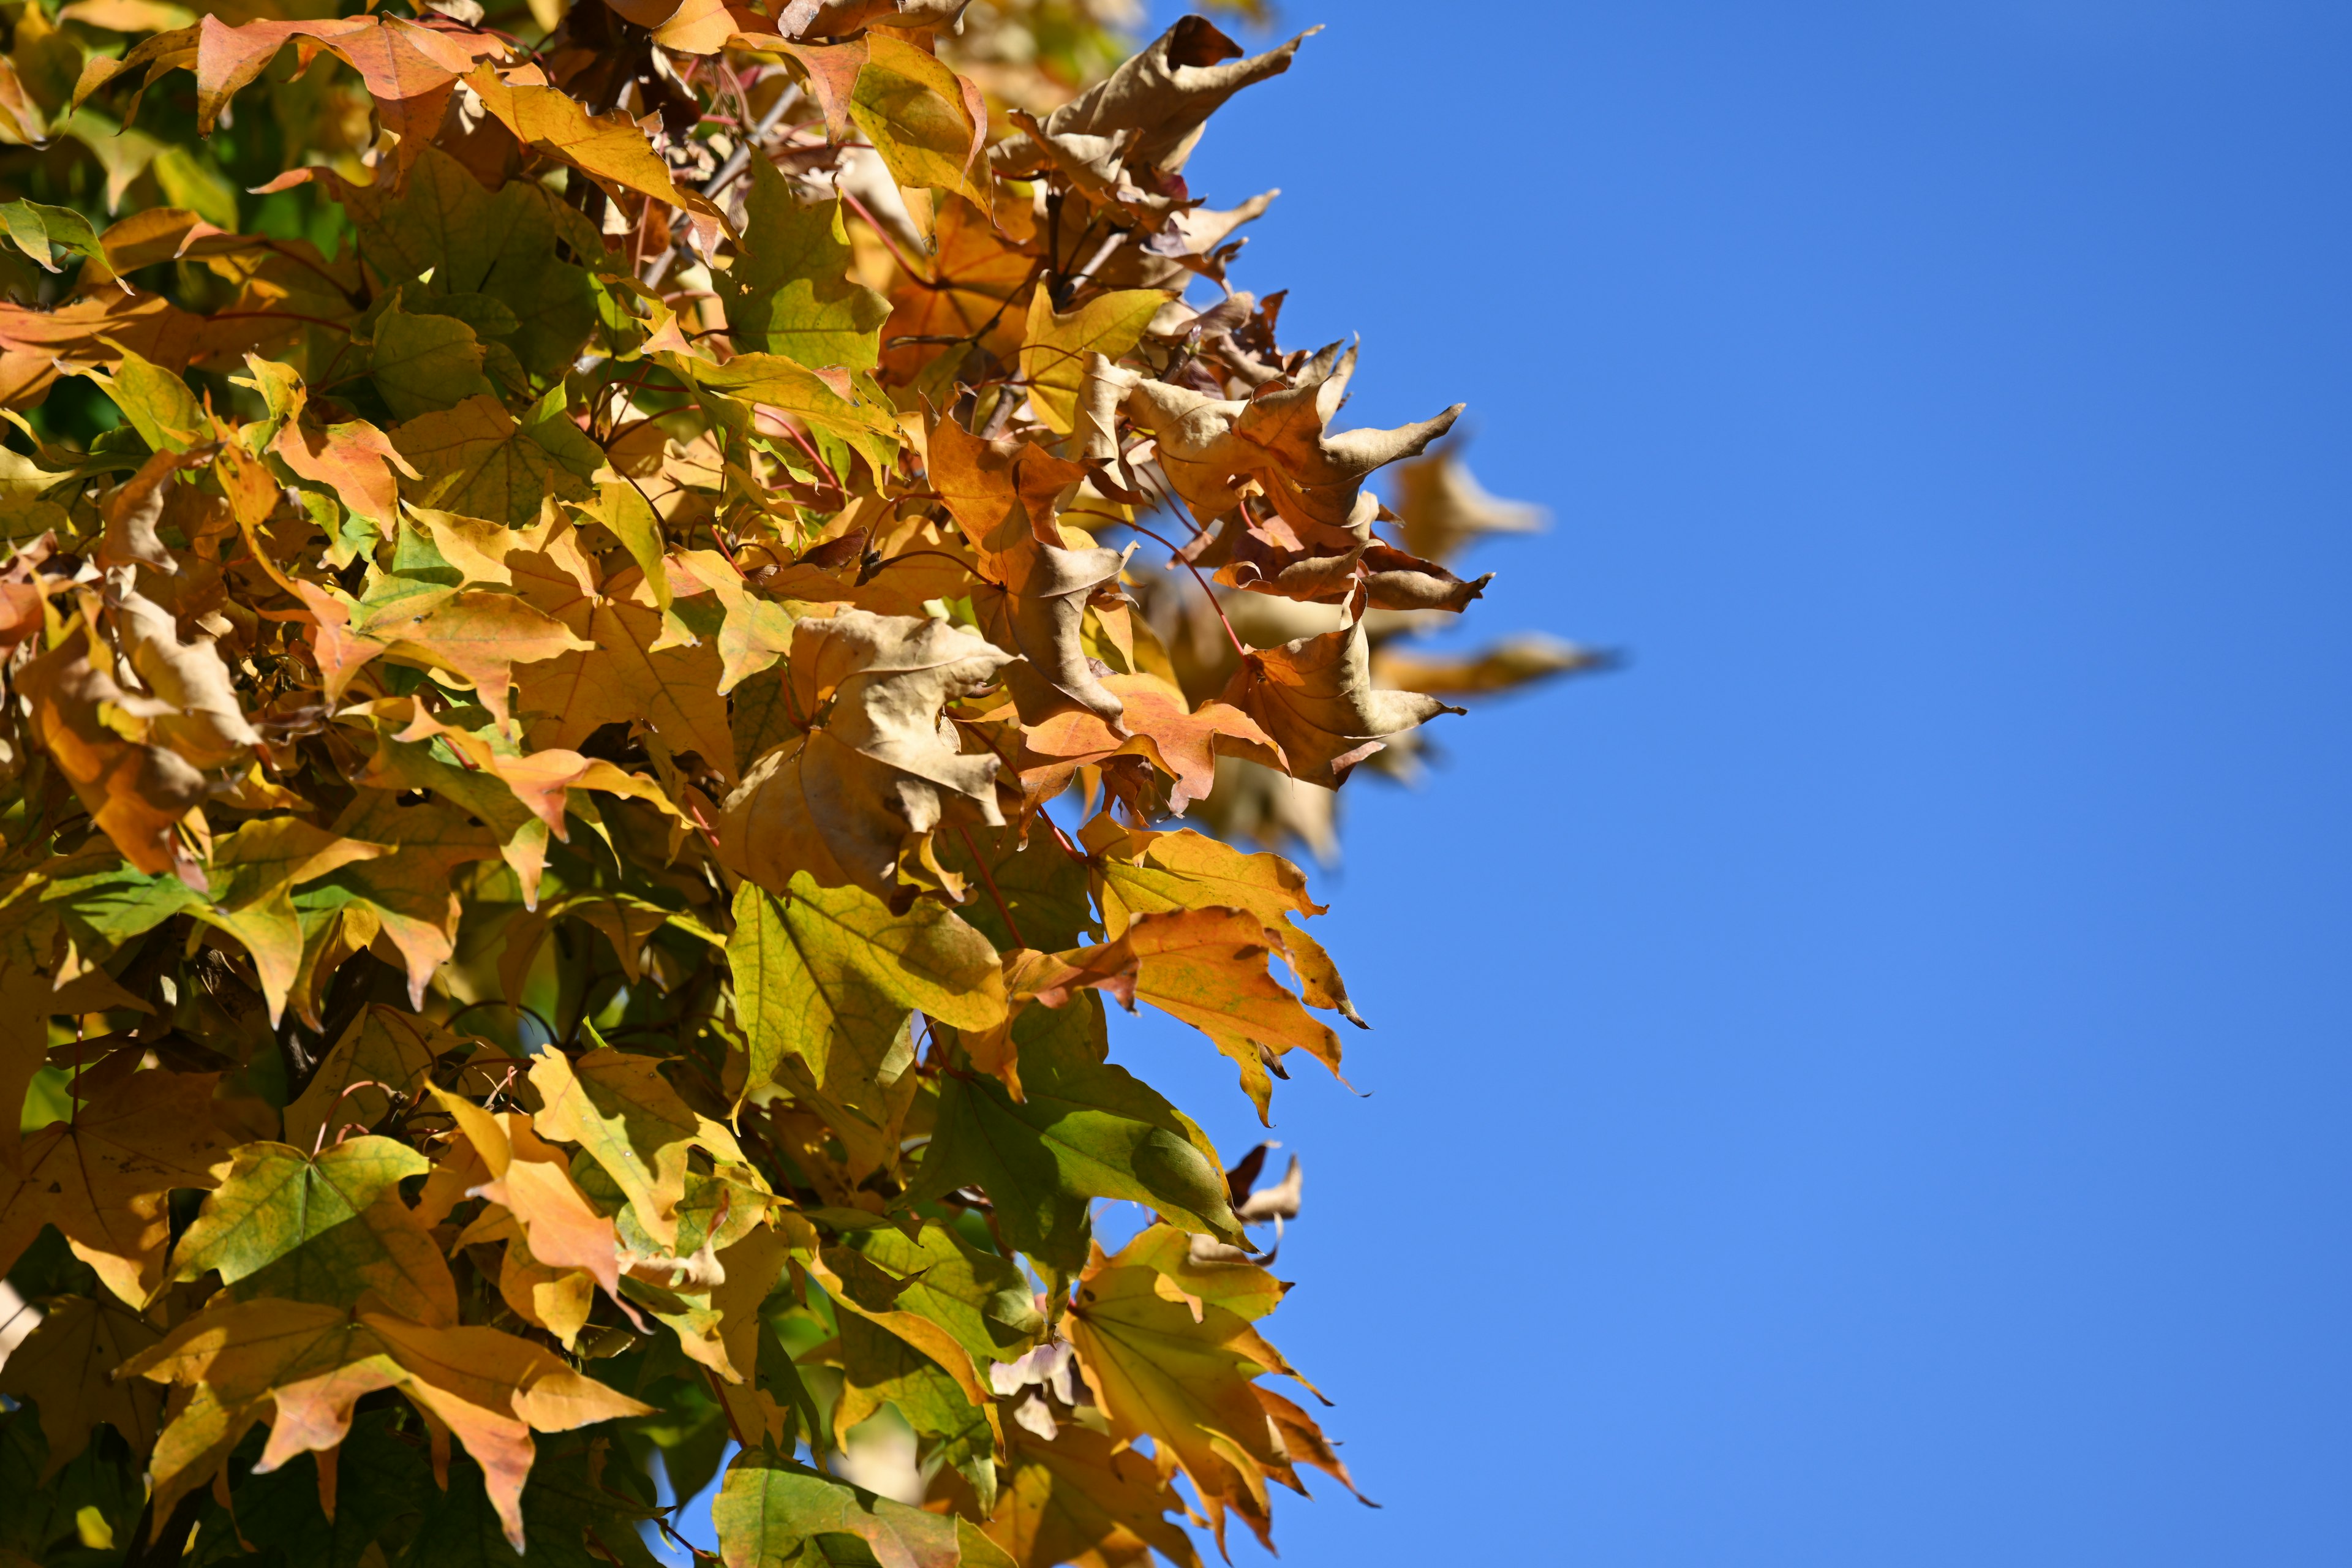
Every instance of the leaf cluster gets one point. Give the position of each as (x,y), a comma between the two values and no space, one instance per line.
(587,755)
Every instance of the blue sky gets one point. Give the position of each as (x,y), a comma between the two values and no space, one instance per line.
(1867,1084)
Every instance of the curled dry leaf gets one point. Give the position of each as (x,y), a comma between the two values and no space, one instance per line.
(876,766)
(1315,696)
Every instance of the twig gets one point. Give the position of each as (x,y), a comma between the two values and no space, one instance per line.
(1173,556)
(990,883)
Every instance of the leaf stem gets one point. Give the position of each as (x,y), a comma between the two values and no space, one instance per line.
(989,883)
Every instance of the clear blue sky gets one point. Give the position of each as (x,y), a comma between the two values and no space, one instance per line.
(1868,1085)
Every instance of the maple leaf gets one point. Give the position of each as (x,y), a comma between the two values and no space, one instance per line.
(137,793)
(1001,494)
(1142,872)
(626,1116)
(1315,697)
(770,1510)
(1054,351)
(1083,1497)
(1163,97)
(65,1367)
(1159,1369)
(789,295)
(1279,437)
(929,124)
(102,1178)
(875,766)
(828,976)
(478,459)
(1082,1129)
(277,1205)
(1182,742)
(532,1180)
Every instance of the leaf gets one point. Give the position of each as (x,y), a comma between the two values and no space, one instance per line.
(532,1180)
(383,1257)
(490,1388)
(788,294)
(1082,1129)
(771,381)
(478,635)
(1445,509)
(1279,437)
(1511,663)
(621,672)
(609,149)
(66,1366)
(1315,697)
(1002,495)
(879,1368)
(157,403)
(232,1358)
(409,70)
(1207,966)
(477,460)
(1150,873)
(1161,98)
(829,975)
(46,233)
(384,1053)
(1185,1383)
(772,1512)
(485,258)
(1240,1288)
(351,458)
(1085,1494)
(875,770)
(619,1108)
(928,124)
(1054,354)
(981,1299)
(1183,743)
(102,1179)
(421,363)
(276,1199)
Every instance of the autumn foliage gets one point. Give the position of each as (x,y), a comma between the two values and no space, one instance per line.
(616,615)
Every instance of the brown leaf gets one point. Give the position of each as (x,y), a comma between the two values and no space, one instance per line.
(102,1179)
(1161,97)
(1278,437)
(137,792)
(1315,697)
(66,1368)
(876,766)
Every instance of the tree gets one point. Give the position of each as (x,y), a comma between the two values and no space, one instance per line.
(562,563)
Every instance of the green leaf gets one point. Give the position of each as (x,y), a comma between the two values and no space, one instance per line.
(478,460)
(881,1368)
(981,1298)
(475,246)
(46,233)
(789,292)
(1043,885)
(158,404)
(829,975)
(616,1106)
(277,1197)
(1085,1129)
(923,120)
(865,424)
(773,1513)
(421,363)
